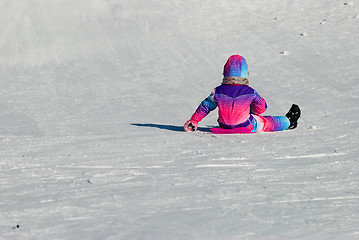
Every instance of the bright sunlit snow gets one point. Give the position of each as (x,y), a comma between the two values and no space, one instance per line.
(94,95)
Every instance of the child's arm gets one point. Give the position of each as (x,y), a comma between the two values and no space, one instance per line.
(206,106)
(259,105)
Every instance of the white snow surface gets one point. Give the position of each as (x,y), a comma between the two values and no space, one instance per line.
(94,94)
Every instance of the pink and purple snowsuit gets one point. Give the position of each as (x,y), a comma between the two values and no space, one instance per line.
(238,104)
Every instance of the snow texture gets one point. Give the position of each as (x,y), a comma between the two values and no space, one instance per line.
(94,95)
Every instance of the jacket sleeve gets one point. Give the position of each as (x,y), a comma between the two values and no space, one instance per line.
(259,105)
(206,106)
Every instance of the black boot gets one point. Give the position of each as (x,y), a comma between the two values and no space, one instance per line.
(293,116)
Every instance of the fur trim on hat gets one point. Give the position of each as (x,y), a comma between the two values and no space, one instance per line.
(235,80)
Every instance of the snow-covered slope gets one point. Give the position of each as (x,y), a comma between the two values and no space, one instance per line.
(94,94)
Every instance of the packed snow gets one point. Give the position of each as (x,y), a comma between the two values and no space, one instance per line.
(94,95)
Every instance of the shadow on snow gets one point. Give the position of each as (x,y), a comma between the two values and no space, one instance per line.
(169,127)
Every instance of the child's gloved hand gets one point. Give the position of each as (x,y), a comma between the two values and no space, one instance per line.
(190,126)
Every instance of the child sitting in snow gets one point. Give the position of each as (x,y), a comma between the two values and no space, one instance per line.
(239,105)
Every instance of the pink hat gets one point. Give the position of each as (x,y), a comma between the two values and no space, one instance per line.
(236,66)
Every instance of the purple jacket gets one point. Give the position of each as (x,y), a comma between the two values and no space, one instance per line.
(236,104)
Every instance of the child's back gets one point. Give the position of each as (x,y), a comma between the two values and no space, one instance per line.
(240,105)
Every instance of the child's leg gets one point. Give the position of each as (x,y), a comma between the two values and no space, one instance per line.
(271,123)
